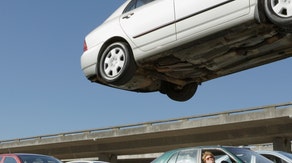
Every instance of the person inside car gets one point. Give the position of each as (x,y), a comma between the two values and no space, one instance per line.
(208,157)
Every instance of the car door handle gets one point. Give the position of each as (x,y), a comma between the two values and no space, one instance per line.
(128,16)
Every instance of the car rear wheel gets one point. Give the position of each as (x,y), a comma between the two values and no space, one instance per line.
(179,93)
(279,12)
(116,65)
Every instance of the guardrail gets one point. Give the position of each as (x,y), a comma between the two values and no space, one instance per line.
(152,123)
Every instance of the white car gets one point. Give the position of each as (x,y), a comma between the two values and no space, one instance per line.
(86,161)
(172,46)
(277,156)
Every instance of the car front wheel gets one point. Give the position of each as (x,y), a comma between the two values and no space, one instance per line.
(116,65)
(279,12)
(178,93)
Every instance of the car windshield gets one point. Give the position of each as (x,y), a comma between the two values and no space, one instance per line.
(289,155)
(248,156)
(38,159)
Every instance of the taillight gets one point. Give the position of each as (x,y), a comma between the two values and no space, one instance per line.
(84,46)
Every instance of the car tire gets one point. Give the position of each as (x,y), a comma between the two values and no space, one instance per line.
(177,93)
(116,64)
(279,12)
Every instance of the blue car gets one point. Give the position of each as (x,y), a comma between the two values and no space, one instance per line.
(277,156)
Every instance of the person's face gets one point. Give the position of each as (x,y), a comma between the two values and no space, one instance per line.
(210,159)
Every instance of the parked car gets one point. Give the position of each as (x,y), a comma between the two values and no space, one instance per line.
(172,46)
(223,154)
(27,158)
(277,156)
(86,161)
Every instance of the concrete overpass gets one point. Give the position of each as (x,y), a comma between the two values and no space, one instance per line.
(265,124)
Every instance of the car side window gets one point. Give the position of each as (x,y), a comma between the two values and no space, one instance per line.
(220,156)
(142,2)
(274,159)
(135,4)
(187,156)
(130,6)
(9,160)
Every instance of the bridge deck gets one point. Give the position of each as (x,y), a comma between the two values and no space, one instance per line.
(237,127)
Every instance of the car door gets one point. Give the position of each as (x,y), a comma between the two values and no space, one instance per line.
(149,23)
(197,17)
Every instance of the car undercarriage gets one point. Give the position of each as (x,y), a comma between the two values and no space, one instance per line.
(239,48)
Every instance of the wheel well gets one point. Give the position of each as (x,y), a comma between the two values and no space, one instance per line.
(105,45)
(110,41)
(260,12)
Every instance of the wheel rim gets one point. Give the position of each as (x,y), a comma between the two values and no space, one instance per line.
(114,62)
(282,8)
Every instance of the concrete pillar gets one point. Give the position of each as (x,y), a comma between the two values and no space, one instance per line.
(282,144)
(108,158)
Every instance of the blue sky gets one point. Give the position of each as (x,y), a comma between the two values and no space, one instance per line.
(43,90)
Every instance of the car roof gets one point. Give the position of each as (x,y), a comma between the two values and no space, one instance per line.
(206,148)
(210,146)
(270,152)
(18,154)
(85,161)
(28,154)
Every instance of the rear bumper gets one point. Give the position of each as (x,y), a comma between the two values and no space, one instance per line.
(89,61)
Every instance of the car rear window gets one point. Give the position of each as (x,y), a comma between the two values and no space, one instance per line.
(38,159)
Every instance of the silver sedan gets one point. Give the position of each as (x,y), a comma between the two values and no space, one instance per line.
(172,46)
